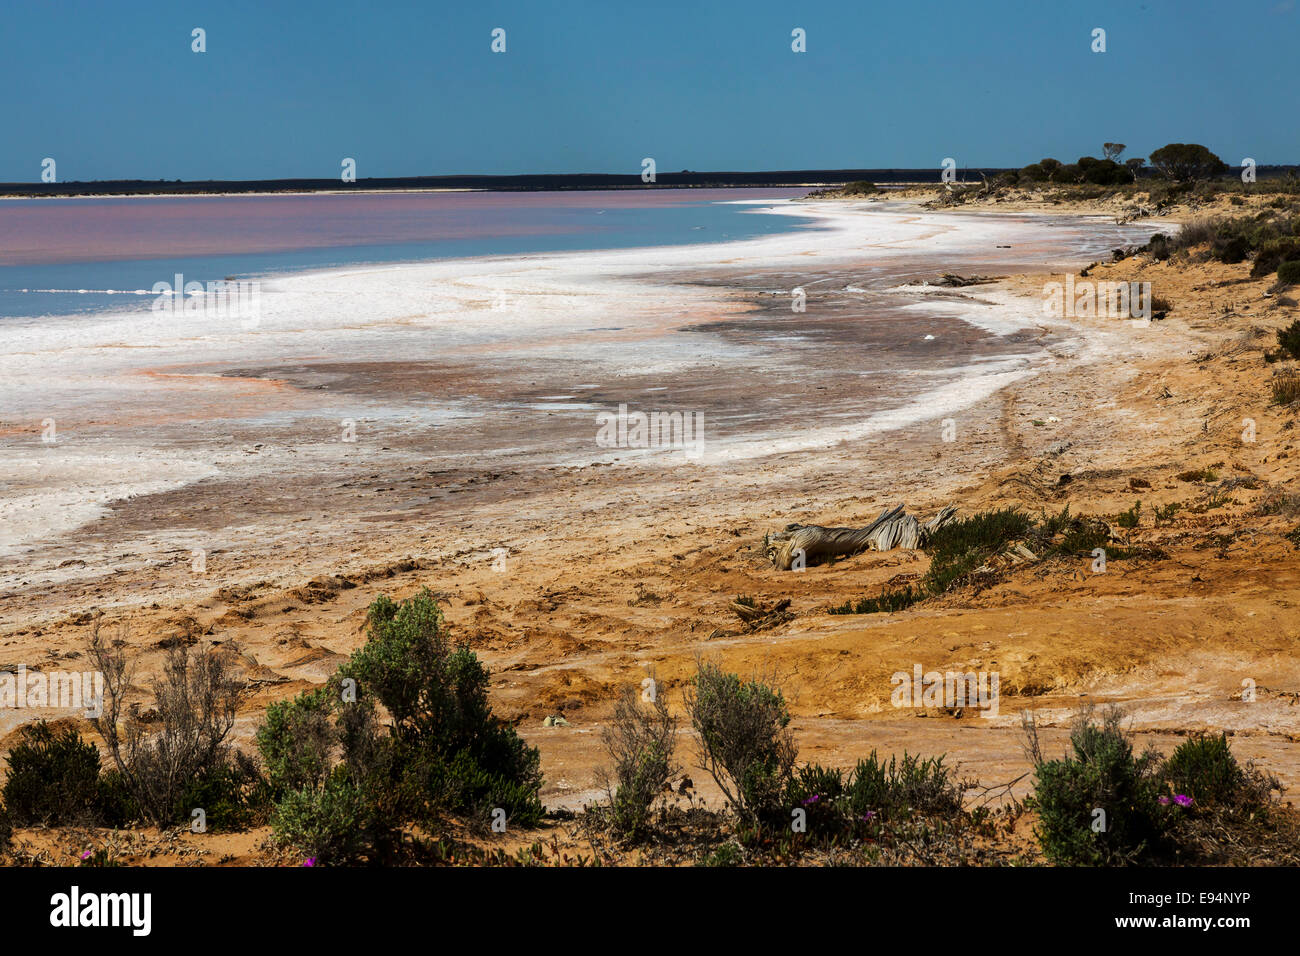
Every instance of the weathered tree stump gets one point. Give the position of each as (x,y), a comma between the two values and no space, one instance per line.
(809,544)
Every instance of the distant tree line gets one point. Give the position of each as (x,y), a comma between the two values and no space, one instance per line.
(1179,162)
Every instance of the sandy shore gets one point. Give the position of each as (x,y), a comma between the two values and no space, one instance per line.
(472,387)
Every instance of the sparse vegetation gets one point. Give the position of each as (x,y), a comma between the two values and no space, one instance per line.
(195,701)
(1288,339)
(1286,387)
(1131,518)
(745,741)
(640,742)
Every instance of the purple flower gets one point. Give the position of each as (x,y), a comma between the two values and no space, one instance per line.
(310,861)
(86,855)
(869,816)
(813,799)
(1183,800)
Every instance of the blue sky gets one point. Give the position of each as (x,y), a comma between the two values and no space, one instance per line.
(289,88)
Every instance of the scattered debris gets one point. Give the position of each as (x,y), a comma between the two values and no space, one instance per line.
(761,616)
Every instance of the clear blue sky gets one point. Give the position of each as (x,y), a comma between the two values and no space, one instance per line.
(290,87)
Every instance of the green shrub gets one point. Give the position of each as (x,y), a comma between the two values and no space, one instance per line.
(53,777)
(1187,162)
(960,546)
(296,740)
(1101,805)
(875,791)
(1132,518)
(1078,533)
(640,742)
(437,697)
(1103,172)
(1273,253)
(115,803)
(745,741)
(444,751)
(861,187)
(898,788)
(728,854)
(328,824)
(956,549)
(196,700)
(232,796)
(1289,272)
(1204,768)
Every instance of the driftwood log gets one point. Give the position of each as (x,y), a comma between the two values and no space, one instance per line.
(893,529)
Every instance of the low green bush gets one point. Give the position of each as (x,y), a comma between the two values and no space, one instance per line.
(640,741)
(745,741)
(1273,253)
(1203,768)
(1101,804)
(886,601)
(1288,272)
(328,824)
(53,777)
(874,792)
(444,751)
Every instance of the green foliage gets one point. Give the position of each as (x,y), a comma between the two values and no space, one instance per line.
(1069,173)
(328,823)
(1131,518)
(861,187)
(956,549)
(295,740)
(444,751)
(886,601)
(1288,273)
(914,784)
(875,791)
(745,741)
(1187,162)
(115,802)
(1078,533)
(233,796)
(53,777)
(728,854)
(962,545)
(1272,254)
(1165,513)
(1100,805)
(640,742)
(1103,172)
(1204,768)
(1033,173)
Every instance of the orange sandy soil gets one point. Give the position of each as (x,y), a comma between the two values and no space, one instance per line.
(616,572)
